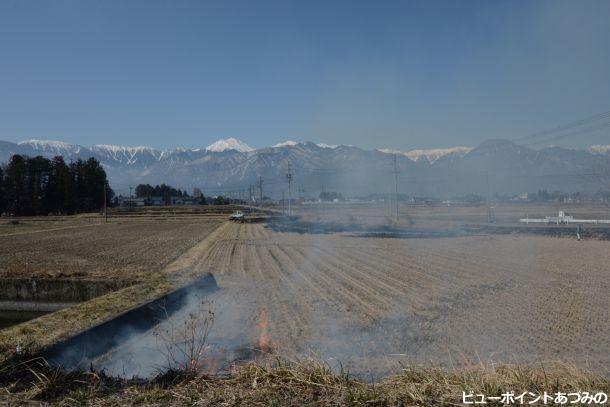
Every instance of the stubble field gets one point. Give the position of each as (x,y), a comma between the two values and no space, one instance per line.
(368,305)
(121,250)
(374,304)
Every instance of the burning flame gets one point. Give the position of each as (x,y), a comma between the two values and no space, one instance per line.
(213,365)
(264,342)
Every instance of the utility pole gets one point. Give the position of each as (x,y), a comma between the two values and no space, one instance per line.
(388,204)
(130,196)
(322,198)
(250,200)
(289,177)
(396,185)
(260,188)
(283,204)
(489,211)
(105,205)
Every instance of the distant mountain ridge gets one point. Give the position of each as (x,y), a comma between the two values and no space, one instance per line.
(229,144)
(232,165)
(432,154)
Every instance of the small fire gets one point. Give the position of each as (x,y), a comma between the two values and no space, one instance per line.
(213,365)
(264,341)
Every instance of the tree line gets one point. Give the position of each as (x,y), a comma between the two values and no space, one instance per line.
(166,192)
(41,186)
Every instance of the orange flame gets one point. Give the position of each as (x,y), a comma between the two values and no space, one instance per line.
(213,366)
(264,342)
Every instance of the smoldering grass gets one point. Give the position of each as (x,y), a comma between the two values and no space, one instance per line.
(185,343)
(277,380)
(34,379)
(286,382)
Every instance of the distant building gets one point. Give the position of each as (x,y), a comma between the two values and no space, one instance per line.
(523,197)
(563,217)
(184,201)
(131,202)
(197,193)
(155,201)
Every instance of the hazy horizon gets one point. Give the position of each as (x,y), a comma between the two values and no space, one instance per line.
(385,149)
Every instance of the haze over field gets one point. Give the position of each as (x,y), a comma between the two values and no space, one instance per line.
(232,166)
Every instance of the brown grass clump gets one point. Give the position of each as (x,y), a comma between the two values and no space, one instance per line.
(279,382)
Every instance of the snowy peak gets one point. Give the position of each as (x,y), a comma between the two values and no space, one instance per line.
(124,154)
(391,151)
(122,149)
(287,143)
(598,149)
(51,146)
(434,154)
(431,155)
(229,144)
(324,145)
(291,143)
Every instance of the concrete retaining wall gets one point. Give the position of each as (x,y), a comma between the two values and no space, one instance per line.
(54,290)
(77,351)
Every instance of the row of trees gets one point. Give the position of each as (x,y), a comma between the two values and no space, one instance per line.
(164,191)
(39,186)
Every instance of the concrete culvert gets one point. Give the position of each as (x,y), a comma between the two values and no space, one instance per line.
(80,350)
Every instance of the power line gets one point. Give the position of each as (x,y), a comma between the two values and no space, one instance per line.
(566,126)
(571,134)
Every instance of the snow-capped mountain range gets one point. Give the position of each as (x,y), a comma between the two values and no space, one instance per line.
(232,164)
(130,155)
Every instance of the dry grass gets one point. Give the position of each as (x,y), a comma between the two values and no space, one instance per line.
(280,382)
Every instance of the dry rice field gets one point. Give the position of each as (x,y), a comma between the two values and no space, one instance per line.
(374,304)
(127,250)
(368,305)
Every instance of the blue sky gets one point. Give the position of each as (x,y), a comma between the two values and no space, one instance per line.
(404,74)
